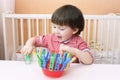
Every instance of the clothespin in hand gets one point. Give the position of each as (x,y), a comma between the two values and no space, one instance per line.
(27,59)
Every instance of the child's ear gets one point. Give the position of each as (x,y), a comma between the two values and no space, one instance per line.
(75,30)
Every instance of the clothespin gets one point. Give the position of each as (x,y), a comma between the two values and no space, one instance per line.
(47,57)
(38,58)
(44,61)
(57,64)
(43,51)
(40,62)
(64,57)
(40,52)
(65,63)
(52,59)
(68,65)
(27,59)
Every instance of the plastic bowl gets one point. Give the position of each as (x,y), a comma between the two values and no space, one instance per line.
(54,74)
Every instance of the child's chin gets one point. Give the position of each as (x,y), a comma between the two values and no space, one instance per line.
(60,41)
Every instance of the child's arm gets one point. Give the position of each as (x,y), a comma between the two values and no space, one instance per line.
(84,57)
(29,46)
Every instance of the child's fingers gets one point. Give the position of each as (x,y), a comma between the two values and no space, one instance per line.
(61,47)
(29,50)
(23,50)
(61,52)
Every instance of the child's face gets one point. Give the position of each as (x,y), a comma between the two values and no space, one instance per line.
(63,33)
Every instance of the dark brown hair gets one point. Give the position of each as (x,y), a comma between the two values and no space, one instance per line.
(69,15)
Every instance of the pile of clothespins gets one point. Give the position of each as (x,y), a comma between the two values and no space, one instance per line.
(52,61)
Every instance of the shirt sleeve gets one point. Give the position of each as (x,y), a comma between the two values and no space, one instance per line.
(41,41)
(37,41)
(84,47)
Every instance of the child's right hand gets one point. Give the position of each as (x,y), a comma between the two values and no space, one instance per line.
(29,46)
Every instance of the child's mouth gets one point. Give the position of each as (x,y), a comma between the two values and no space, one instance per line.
(59,37)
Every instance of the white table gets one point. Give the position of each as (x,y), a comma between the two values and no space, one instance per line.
(18,70)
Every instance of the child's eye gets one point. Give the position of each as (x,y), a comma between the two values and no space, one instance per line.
(61,29)
(54,26)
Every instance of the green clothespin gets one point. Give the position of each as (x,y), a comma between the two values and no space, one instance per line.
(27,59)
(40,62)
(52,59)
(38,58)
(43,51)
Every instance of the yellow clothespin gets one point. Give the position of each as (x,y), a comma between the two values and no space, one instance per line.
(34,52)
(68,65)
(68,55)
(40,53)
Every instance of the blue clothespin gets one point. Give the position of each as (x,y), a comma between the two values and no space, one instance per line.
(64,57)
(44,61)
(57,64)
(47,57)
(65,63)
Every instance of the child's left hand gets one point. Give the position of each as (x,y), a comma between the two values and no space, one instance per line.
(63,48)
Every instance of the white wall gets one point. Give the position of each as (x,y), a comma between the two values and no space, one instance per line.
(7,5)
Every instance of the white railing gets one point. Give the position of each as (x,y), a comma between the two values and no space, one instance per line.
(101,33)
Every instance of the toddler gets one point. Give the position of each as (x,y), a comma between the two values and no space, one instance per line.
(68,23)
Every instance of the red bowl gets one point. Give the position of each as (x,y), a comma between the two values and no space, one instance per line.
(53,74)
